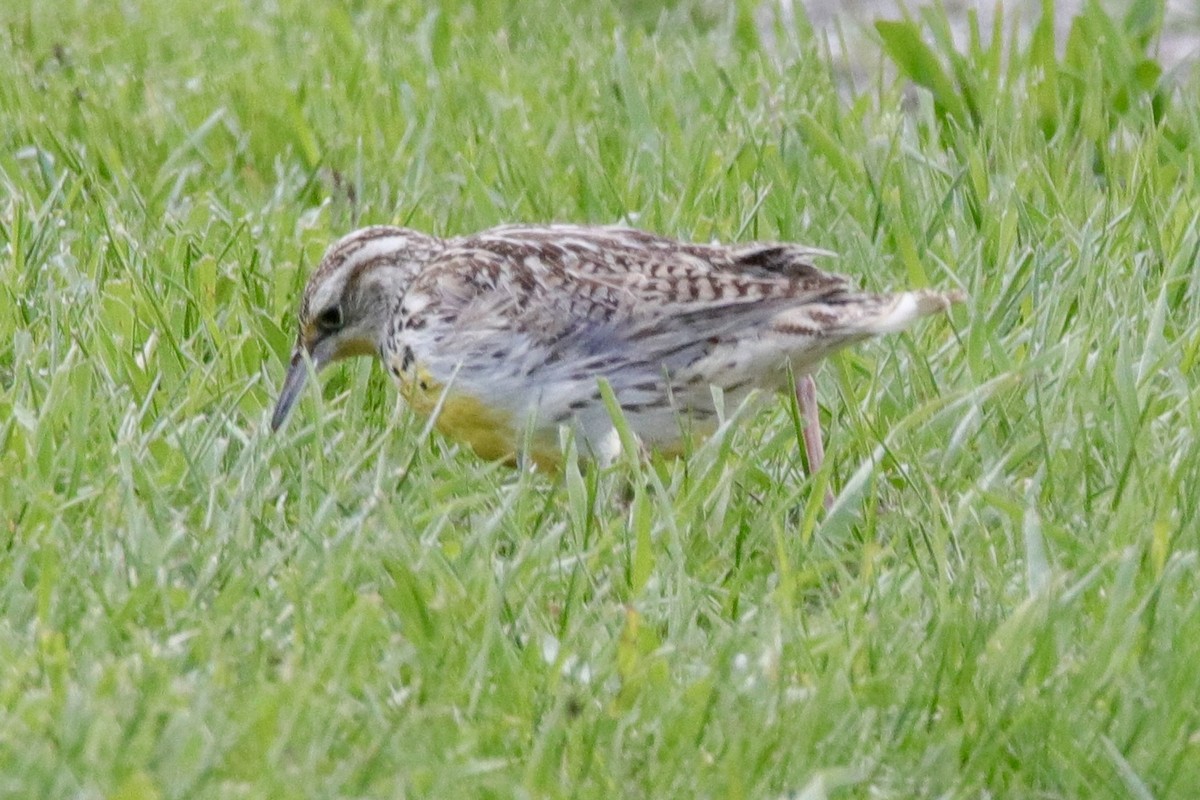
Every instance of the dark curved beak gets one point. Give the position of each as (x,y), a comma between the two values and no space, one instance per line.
(293,383)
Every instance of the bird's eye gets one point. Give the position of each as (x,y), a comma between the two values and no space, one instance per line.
(330,320)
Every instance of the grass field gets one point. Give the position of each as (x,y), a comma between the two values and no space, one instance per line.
(1003,602)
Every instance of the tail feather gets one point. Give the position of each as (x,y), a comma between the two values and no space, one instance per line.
(907,307)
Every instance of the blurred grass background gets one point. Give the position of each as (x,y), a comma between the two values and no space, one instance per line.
(1003,603)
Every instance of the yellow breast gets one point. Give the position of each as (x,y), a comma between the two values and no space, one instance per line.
(486,430)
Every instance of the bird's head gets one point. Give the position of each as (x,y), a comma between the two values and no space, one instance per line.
(349,299)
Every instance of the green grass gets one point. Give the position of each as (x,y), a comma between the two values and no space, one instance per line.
(1004,602)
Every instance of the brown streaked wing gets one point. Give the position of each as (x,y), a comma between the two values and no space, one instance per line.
(492,314)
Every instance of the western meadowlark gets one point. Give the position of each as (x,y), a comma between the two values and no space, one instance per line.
(505,334)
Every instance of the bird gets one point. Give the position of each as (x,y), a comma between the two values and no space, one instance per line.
(503,337)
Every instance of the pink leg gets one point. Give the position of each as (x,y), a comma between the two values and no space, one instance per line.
(814,448)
